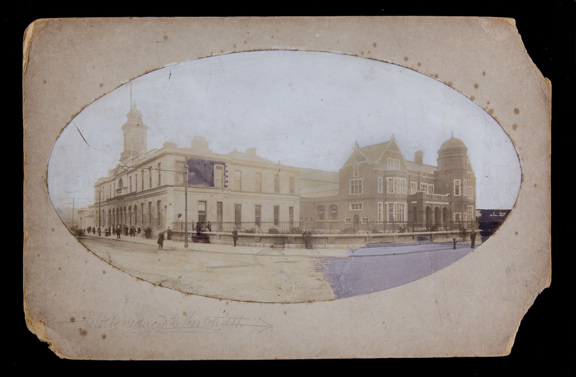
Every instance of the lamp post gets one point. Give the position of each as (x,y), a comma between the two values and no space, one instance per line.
(185,205)
(99,207)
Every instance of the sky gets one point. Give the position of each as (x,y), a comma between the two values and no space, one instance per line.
(305,109)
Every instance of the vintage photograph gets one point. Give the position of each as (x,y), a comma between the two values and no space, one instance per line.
(283,176)
(251,188)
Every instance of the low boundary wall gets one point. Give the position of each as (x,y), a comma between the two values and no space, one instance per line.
(321,241)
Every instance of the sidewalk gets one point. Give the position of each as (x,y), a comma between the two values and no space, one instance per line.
(224,248)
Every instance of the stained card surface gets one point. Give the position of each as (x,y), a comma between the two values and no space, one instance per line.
(241,188)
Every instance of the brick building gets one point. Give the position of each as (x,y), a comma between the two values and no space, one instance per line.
(380,190)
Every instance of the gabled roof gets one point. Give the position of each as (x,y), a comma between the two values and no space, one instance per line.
(371,153)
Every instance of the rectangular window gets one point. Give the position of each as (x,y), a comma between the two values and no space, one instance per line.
(130,180)
(219,215)
(238,180)
(457,216)
(348,220)
(380,212)
(158,213)
(356,186)
(380,185)
(457,187)
(430,189)
(396,212)
(136,181)
(423,187)
(292,185)
(258,182)
(150,177)
(276,215)
(470,210)
(202,210)
(291,215)
(413,187)
(237,214)
(142,177)
(470,192)
(355,170)
(396,185)
(257,214)
(276,183)
(218,176)
(159,175)
(356,206)
(149,213)
(393,164)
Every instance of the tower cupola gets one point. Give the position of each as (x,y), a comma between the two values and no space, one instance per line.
(135,134)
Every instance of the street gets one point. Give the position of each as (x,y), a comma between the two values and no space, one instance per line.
(273,275)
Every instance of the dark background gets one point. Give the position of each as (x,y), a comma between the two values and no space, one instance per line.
(546,338)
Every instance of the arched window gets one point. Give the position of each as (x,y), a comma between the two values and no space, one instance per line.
(320,210)
(333,212)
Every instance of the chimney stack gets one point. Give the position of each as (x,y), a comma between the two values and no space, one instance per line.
(419,157)
(200,145)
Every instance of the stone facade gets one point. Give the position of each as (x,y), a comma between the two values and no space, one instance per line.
(174,187)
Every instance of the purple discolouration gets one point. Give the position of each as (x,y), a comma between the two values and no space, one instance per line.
(374,269)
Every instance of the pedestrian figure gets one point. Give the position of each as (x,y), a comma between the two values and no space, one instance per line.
(472,239)
(209,226)
(169,234)
(198,227)
(118,231)
(160,240)
(235,235)
(306,234)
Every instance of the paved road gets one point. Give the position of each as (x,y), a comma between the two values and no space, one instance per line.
(276,275)
(375,269)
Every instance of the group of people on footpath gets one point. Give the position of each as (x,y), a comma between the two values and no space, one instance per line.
(134,230)
(167,235)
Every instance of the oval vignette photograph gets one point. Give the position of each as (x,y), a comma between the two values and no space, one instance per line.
(283,176)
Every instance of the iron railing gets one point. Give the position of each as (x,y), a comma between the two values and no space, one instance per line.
(320,227)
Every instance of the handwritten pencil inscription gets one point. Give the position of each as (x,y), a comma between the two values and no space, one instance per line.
(173,323)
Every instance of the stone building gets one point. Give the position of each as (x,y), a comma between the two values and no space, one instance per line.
(172,186)
(380,190)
